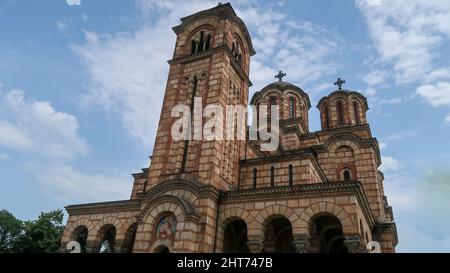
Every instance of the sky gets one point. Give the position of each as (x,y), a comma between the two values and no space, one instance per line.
(82,82)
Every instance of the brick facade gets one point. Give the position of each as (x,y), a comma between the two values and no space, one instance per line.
(318,192)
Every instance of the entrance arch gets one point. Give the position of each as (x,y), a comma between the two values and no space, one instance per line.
(107,236)
(80,235)
(235,237)
(278,235)
(326,234)
(130,237)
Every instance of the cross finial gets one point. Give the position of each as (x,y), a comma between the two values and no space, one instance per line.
(339,83)
(280,75)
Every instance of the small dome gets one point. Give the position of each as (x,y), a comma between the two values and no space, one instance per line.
(281,86)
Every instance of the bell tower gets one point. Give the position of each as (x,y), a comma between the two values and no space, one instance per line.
(210,65)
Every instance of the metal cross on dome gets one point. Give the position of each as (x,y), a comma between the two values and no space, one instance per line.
(280,75)
(339,83)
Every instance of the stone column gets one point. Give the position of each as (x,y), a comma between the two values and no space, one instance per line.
(354,245)
(255,244)
(118,246)
(301,243)
(92,247)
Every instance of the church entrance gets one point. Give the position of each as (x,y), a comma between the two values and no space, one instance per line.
(235,237)
(278,236)
(107,235)
(327,235)
(80,234)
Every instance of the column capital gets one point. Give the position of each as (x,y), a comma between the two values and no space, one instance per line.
(301,242)
(354,244)
(255,244)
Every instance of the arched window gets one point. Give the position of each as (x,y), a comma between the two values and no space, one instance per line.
(346,175)
(272,101)
(340,113)
(291,176)
(292,107)
(257,114)
(255,176)
(356,112)
(236,51)
(327,117)
(200,42)
(272,177)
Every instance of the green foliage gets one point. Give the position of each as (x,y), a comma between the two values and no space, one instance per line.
(38,236)
(10,229)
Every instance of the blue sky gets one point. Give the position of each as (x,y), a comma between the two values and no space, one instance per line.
(81,87)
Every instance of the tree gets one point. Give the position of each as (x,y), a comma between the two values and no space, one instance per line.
(10,229)
(41,235)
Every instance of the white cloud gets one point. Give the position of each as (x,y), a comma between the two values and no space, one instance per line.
(36,127)
(370,92)
(128,70)
(73,2)
(447,118)
(4,156)
(437,94)
(13,137)
(376,77)
(70,185)
(61,25)
(408,33)
(438,74)
(389,164)
(401,135)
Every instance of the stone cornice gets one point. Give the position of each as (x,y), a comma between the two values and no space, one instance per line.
(287,155)
(142,174)
(114,206)
(210,52)
(352,128)
(388,227)
(196,188)
(307,190)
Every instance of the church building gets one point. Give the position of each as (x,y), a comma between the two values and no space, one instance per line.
(316,192)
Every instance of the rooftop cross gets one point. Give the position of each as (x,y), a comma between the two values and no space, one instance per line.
(280,75)
(339,83)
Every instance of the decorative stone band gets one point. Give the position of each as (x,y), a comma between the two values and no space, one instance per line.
(126,205)
(196,188)
(188,209)
(207,53)
(307,190)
